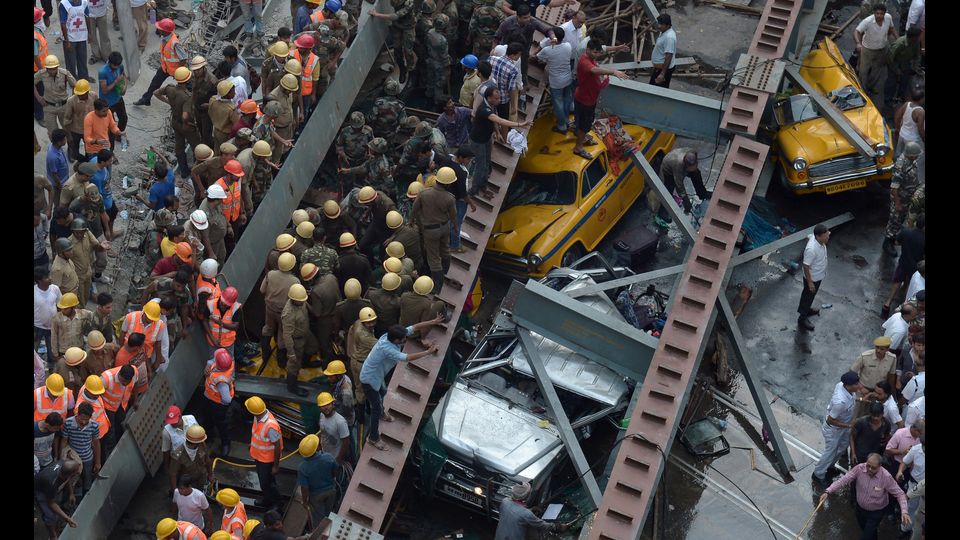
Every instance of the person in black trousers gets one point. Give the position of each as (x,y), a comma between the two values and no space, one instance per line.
(814,270)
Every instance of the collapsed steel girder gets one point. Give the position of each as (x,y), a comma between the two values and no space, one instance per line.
(671,110)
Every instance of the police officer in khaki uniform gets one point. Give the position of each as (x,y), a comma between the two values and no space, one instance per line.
(324,296)
(207,173)
(386,302)
(337,222)
(217,226)
(348,310)
(296,341)
(63,271)
(416,306)
(408,236)
(877,364)
(272,69)
(201,153)
(274,288)
(204,87)
(223,112)
(435,210)
(85,248)
(286,120)
(284,244)
(379,204)
(304,232)
(178,97)
(58,84)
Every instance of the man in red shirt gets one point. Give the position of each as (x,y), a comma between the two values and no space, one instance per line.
(591,79)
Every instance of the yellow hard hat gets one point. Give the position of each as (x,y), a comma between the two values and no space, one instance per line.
(367,314)
(393,264)
(74,356)
(251,524)
(395,249)
(430,181)
(198,62)
(446,175)
(182,74)
(224,87)
(51,61)
(289,82)
(285,241)
(228,497)
(196,434)
(324,399)
(299,216)
(308,271)
(305,230)
(55,384)
(280,49)
(394,219)
(255,405)
(82,87)
(286,262)
(367,195)
(331,209)
(414,189)
(94,385)
(352,288)
(309,444)
(221,535)
(166,527)
(293,67)
(423,285)
(202,152)
(335,367)
(68,300)
(95,340)
(152,309)
(347,240)
(297,292)
(262,149)
(390,280)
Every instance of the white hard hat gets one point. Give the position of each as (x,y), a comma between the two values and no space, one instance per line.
(209,267)
(216,192)
(199,220)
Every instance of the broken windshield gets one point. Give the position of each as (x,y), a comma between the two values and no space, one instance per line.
(533,188)
(801,107)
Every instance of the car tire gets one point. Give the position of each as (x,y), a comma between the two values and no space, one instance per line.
(572,254)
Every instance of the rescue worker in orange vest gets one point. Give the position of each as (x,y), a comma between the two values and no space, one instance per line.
(266,445)
(119,395)
(221,329)
(218,389)
(91,392)
(40,52)
(52,397)
(234,207)
(172,55)
(310,71)
(234,513)
(208,288)
(171,529)
(148,323)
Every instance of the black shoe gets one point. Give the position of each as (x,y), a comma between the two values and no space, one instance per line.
(805,323)
(888,248)
(816,481)
(142,102)
(244,362)
(814,312)
(293,386)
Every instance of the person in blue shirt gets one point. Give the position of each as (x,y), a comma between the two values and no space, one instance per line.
(303,16)
(58,166)
(163,185)
(383,357)
(101,179)
(112,80)
(315,478)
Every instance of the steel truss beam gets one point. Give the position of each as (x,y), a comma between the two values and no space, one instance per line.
(670,110)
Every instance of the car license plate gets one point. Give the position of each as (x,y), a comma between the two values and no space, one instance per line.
(846,186)
(463,495)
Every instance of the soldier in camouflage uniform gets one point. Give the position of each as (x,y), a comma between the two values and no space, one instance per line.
(452,32)
(323,256)
(352,7)
(437,84)
(263,170)
(328,49)
(353,141)
(377,171)
(902,187)
(484,23)
(402,135)
(405,201)
(428,11)
(388,111)
(264,129)
(403,26)
(408,166)
(918,205)
(177,291)
(438,142)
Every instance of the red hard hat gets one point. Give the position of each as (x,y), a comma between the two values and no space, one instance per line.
(222,359)
(37,14)
(305,41)
(166,25)
(233,167)
(230,296)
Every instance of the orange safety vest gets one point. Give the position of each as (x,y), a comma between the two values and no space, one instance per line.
(43,405)
(42,52)
(205,285)
(233,523)
(213,379)
(99,413)
(261,449)
(189,531)
(115,393)
(230,205)
(134,321)
(306,75)
(222,337)
(317,15)
(168,57)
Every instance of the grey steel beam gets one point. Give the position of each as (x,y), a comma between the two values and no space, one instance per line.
(666,198)
(601,338)
(678,112)
(275,389)
(650,9)
(752,375)
(647,64)
(625,281)
(128,33)
(787,240)
(832,114)
(100,510)
(555,407)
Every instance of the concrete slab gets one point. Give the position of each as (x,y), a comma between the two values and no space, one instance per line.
(715,36)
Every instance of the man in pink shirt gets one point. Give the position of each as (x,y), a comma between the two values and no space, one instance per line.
(874,485)
(902,441)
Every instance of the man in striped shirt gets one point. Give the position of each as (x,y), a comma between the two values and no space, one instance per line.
(507,75)
(82,433)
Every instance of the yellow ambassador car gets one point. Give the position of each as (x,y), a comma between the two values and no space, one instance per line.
(814,156)
(560,206)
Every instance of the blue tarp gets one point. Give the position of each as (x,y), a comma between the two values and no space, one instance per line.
(761,225)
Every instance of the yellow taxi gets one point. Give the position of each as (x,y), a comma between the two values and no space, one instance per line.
(559,206)
(813,155)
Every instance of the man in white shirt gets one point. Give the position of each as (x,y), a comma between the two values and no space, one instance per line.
(917,17)
(873,36)
(836,426)
(560,76)
(571,35)
(664,53)
(814,270)
(45,298)
(897,326)
(916,461)
(918,282)
(191,503)
(883,392)
(915,387)
(916,410)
